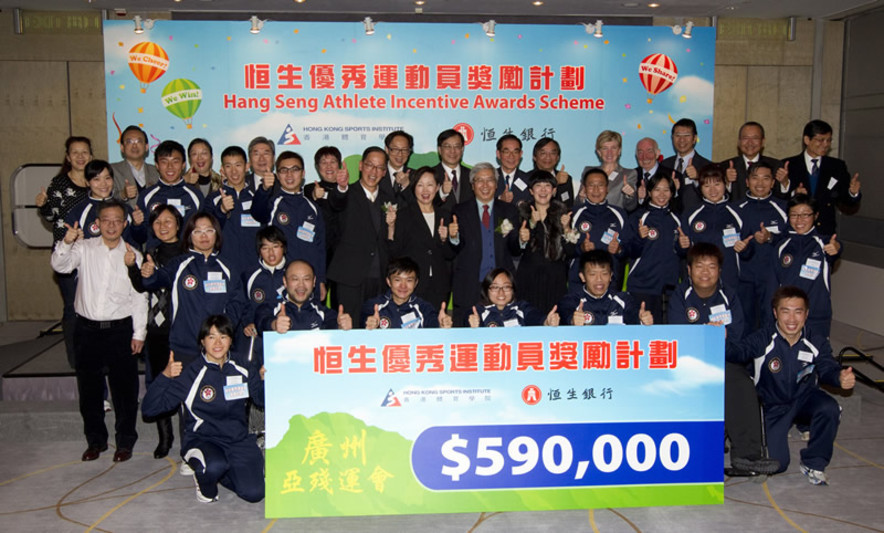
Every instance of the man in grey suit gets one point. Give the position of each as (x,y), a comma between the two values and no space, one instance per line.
(133,174)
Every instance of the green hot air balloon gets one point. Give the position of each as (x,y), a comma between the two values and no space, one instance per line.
(182,98)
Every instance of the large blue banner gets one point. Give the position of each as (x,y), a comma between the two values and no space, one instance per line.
(309,84)
(427,421)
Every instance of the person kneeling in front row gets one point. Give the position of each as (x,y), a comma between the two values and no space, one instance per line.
(214,389)
(790,363)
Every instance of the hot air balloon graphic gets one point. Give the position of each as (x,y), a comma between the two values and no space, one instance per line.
(182,98)
(657,72)
(148,62)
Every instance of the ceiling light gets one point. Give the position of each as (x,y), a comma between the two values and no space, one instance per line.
(688,26)
(488,28)
(419,2)
(257,24)
(142,24)
(369,26)
(299,1)
(537,3)
(653,5)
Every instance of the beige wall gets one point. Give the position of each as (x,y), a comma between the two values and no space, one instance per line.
(53,87)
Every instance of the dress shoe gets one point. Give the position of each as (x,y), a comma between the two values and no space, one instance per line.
(122,454)
(92,452)
(166,435)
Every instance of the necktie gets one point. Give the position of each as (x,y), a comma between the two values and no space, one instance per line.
(680,167)
(454,181)
(486,217)
(647,176)
(509,182)
(814,176)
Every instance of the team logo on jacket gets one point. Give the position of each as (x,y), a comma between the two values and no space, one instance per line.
(585,226)
(775,365)
(94,229)
(190,282)
(588,318)
(384,323)
(699,226)
(282,218)
(786,260)
(153,207)
(692,314)
(653,234)
(207,393)
(258,295)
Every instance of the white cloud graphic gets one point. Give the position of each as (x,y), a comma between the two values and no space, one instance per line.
(298,348)
(691,373)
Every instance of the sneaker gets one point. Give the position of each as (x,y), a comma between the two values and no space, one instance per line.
(761,465)
(185,469)
(805,435)
(815,477)
(107,406)
(199,495)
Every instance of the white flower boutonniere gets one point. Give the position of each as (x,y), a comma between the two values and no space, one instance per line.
(389,205)
(505,227)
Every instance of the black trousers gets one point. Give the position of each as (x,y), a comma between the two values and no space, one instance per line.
(742,415)
(105,348)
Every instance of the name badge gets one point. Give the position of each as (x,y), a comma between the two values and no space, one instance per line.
(176,203)
(520,184)
(565,196)
(214,275)
(247,221)
(730,237)
(239,391)
(608,236)
(247,205)
(410,321)
(513,322)
(615,319)
(832,183)
(810,269)
(234,380)
(306,233)
(720,313)
(773,229)
(805,356)
(215,286)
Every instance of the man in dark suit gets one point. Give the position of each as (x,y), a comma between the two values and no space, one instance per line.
(133,174)
(825,178)
(686,162)
(736,169)
(360,260)
(647,155)
(512,182)
(455,176)
(485,235)
(398,146)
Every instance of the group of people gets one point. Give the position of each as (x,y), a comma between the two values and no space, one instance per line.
(193,265)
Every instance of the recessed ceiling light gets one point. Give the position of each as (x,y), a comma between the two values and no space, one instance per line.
(537,3)
(419,2)
(299,1)
(653,5)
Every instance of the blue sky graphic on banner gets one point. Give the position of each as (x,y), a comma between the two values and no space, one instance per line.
(306,85)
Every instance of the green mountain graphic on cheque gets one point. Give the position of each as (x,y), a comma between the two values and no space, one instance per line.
(317,469)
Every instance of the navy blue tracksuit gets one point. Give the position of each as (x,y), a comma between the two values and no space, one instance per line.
(787,379)
(519,313)
(720,224)
(755,272)
(597,222)
(311,315)
(613,307)
(415,313)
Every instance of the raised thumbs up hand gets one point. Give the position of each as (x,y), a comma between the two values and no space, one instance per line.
(578,318)
(474,318)
(453,228)
(676,181)
(342,177)
(762,235)
(846,379)
(73,234)
(731,172)
(643,231)
(683,240)
(627,189)
(283,322)
(587,244)
(173,368)
(345,322)
(645,316)
(566,220)
(129,257)
(833,247)
(562,177)
(137,216)
(191,177)
(741,245)
(689,170)
(782,175)
(374,320)
(552,319)
(442,231)
(131,190)
(524,232)
(41,198)
(614,245)
(226,201)
(642,190)
(445,320)
(148,267)
(854,185)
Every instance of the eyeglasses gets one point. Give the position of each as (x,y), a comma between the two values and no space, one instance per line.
(399,150)
(289,170)
(500,288)
(209,231)
(800,216)
(134,141)
(368,167)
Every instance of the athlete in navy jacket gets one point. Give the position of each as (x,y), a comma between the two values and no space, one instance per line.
(299,309)
(400,307)
(500,309)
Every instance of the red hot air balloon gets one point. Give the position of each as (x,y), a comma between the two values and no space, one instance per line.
(148,62)
(657,72)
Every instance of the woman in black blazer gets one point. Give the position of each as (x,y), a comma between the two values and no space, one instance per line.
(418,230)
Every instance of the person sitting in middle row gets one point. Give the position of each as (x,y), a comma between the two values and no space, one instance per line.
(499,307)
(300,309)
(599,302)
(399,307)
